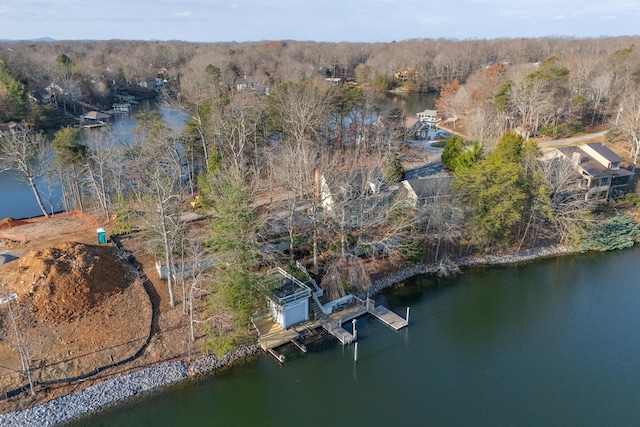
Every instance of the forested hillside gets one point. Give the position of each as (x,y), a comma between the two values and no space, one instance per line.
(287,147)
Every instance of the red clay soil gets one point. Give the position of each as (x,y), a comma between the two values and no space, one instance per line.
(10,222)
(80,309)
(63,283)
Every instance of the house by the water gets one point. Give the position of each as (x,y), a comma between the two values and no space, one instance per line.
(600,168)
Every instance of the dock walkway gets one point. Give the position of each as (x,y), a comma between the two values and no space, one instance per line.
(388,317)
(271,335)
(333,322)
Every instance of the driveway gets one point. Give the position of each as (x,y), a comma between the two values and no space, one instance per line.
(430,169)
(573,140)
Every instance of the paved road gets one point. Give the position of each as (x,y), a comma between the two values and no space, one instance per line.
(573,140)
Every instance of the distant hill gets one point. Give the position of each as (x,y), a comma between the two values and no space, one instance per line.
(41,39)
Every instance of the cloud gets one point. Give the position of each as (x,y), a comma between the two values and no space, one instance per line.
(182,14)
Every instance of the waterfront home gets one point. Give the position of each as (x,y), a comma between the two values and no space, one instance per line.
(41,97)
(420,130)
(421,191)
(428,116)
(356,198)
(603,176)
(12,129)
(94,119)
(403,75)
(63,90)
(156,83)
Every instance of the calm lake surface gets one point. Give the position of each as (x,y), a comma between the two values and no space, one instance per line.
(550,343)
(16,197)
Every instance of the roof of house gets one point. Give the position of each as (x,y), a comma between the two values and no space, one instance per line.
(430,187)
(604,151)
(95,115)
(591,166)
(419,126)
(358,181)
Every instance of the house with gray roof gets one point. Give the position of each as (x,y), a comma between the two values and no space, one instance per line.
(600,168)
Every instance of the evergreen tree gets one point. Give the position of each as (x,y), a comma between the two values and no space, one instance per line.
(494,192)
(393,169)
(452,151)
(15,105)
(457,157)
(469,157)
(232,238)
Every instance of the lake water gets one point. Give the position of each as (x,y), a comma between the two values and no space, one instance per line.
(550,343)
(412,103)
(16,197)
(18,201)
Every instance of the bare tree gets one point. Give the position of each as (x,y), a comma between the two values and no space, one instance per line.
(28,155)
(237,128)
(345,274)
(629,123)
(19,322)
(367,213)
(102,170)
(156,176)
(566,199)
(195,263)
(300,108)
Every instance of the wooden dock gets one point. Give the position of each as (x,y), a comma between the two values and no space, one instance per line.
(334,321)
(271,335)
(339,333)
(388,317)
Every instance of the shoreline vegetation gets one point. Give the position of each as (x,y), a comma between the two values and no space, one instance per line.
(301,161)
(115,391)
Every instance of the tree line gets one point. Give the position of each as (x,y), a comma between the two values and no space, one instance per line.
(273,152)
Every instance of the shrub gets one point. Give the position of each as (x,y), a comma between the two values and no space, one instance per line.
(632,198)
(619,232)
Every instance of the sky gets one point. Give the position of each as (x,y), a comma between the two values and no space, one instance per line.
(349,21)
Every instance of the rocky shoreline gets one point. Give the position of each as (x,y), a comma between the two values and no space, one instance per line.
(103,395)
(411,270)
(113,391)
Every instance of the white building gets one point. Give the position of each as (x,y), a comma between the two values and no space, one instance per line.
(289,299)
(428,116)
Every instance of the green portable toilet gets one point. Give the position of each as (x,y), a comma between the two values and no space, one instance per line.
(102,236)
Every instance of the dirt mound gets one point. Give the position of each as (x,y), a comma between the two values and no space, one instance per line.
(66,281)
